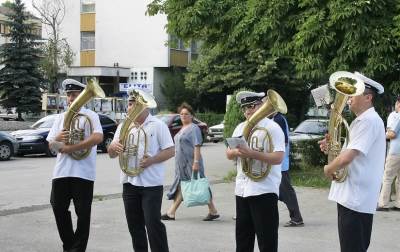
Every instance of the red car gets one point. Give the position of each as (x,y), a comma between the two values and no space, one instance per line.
(174,124)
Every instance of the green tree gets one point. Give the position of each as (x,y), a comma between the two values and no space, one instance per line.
(20,79)
(291,46)
(7,4)
(57,53)
(174,89)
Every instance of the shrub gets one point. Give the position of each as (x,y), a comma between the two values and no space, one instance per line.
(306,153)
(233,115)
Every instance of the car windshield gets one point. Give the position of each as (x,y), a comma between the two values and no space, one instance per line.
(164,118)
(312,127)
(43,123)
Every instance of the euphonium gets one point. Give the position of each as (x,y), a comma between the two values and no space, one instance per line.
(129,158)
(72,116)
(255,169)
(345,84)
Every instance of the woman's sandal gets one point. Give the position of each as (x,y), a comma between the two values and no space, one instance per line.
(211,217)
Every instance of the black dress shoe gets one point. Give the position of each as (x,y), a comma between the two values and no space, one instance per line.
(382,209)
(167,217)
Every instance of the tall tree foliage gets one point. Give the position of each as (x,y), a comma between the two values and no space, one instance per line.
(291,45)
(20,79)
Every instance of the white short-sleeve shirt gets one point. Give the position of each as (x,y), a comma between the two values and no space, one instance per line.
(393,124)
(158,139)
(360,190)
(67,166)
(246,187)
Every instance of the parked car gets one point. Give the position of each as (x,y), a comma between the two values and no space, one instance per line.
(8,146)
(174,124)
(216,133)
(304,141)
(309,129)
(33,141)
(9,116)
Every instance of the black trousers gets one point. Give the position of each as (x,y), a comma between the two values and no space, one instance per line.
(80,191)
(257,215)
(143,212)
(354,229)
(287,195)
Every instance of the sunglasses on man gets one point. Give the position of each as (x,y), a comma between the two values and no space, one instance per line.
(250,106)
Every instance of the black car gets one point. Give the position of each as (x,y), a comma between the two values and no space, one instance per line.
(8,146)
(33,141)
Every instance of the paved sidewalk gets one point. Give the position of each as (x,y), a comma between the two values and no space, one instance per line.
(36,230)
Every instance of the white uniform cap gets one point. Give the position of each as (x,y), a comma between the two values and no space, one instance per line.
(69,85)
(369,83)
(248,97)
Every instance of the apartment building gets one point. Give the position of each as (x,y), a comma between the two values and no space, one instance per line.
(4,29)
(116,42)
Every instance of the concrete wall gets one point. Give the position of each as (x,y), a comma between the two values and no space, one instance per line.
(124,34)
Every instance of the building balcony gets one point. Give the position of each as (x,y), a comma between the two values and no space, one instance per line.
(88,22)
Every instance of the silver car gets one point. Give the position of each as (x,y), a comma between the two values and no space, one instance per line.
(309,129)
(8,146)
(216,133)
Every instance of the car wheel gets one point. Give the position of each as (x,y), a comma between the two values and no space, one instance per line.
(50,152)
(106,142)
(215,141)
(5,151)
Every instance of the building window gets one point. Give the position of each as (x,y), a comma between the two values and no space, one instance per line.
(176,43)
(88,41)
(88,6)
(194,48)
(2,28)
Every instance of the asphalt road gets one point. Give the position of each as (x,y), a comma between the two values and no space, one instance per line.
(27,222)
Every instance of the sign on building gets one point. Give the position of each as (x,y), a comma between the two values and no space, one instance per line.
(145,87)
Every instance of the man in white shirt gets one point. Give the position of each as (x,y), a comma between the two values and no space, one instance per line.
(392,165)
(142,194)
(364,156)
(257,201)
(73,179)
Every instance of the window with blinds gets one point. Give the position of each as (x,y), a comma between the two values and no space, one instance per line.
(88,41)
(88,6)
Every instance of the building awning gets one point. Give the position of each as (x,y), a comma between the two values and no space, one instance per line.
(98,71)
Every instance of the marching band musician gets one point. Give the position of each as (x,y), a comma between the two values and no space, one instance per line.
(364,156)
(392,165)
(257,202)
(142,194)
(74,179)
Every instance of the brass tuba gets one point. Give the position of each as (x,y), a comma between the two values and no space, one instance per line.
(255,169)
(345,84)
(129,158)
(72,116)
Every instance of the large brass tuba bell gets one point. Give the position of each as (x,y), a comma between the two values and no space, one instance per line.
(72,117)
(134,148)
(255,169)
(345,84)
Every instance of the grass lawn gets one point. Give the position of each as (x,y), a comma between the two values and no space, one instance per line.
(307,177)
(310,177)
